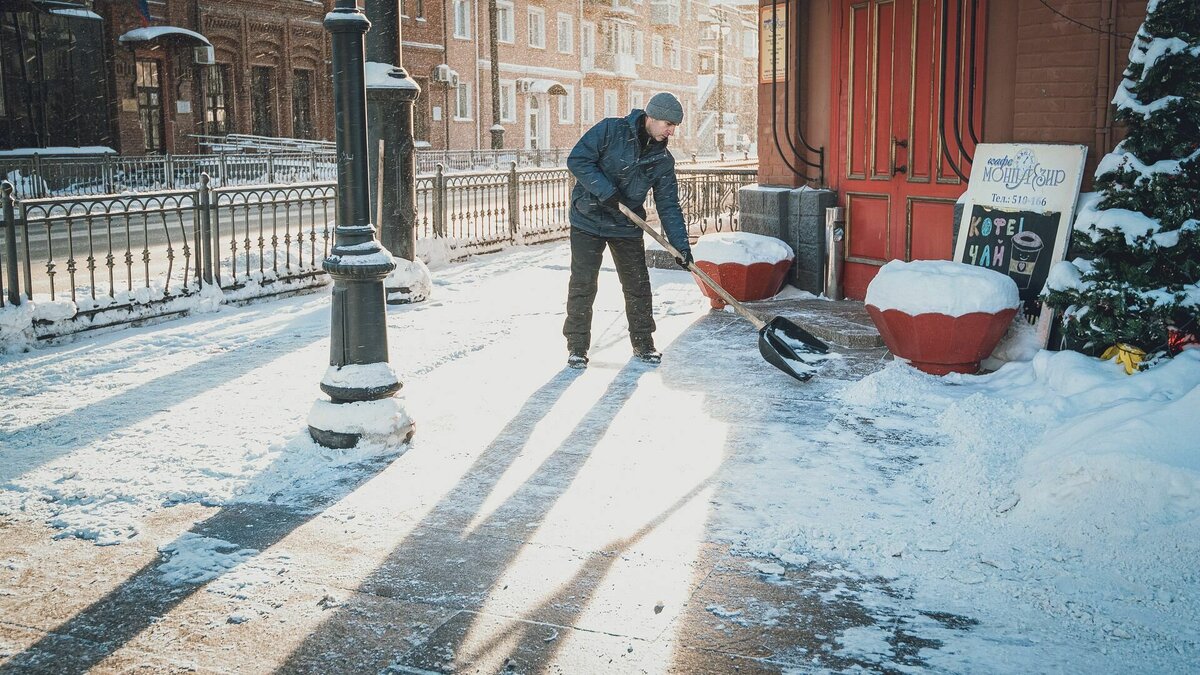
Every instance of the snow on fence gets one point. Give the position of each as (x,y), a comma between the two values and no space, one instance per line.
(84,262)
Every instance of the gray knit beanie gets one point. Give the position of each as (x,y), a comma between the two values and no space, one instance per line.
(664,106)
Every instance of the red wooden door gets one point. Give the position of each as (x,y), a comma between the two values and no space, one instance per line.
(892,176)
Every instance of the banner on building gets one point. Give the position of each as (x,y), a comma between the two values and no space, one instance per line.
(772,42)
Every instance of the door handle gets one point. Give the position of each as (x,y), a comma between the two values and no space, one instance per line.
(901,143)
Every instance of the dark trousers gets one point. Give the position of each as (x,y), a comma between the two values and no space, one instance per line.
(629,256)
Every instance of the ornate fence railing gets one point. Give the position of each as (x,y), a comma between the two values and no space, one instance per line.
(38,177)
(483,160)
(86,262)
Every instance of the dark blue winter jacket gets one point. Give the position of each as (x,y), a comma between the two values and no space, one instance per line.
(606,161)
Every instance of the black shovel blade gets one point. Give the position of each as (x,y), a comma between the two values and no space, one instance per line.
(783,343)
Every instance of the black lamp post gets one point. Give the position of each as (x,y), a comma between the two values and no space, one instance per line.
(357,263)
(497,129)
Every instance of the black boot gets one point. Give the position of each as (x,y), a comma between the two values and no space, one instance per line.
(577,358)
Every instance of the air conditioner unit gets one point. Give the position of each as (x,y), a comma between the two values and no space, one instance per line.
(441,73)
(204,55)
(523,85)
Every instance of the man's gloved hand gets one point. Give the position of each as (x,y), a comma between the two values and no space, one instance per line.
(685,259)
(613,202)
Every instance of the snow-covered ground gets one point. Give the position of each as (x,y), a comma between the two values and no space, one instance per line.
(1055,503)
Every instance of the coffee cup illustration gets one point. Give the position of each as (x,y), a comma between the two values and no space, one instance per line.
(1026,248)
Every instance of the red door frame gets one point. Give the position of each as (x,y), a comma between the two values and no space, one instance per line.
(909,215)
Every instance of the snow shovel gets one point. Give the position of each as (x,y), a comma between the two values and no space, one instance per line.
(782,343)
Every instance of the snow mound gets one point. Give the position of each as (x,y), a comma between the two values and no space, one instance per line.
(941,287)
(409,282)
(195,559)
(741,247)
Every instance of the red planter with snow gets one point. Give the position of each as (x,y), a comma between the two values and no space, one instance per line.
(939,344)
(756,281)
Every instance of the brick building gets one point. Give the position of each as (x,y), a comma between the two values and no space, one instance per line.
(883,102)
(564,65)
(162,75)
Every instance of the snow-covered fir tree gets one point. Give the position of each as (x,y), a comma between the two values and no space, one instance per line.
(1138,237)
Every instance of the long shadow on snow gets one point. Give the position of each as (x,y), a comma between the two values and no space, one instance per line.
(112,414)
(102,628)
(794,619)
(416,570)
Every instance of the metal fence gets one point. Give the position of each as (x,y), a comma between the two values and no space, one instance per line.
(93,261)
(482,160)
(37,177)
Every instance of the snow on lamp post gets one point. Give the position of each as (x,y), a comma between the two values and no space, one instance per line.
(359,381)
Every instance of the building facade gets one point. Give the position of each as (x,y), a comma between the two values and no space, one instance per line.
(883,102)
(165,76)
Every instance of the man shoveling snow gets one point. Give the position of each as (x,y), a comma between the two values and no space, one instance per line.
(619,161)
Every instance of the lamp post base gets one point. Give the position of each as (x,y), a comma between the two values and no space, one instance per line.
(335,440)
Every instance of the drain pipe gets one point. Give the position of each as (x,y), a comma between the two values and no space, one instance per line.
(835,250)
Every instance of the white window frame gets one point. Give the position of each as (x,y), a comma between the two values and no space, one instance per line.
(566,33)
(637,100)
(508,101)
(506,30)
(462,101)
(587,42)
(676,49)
(566,106)
(587,105)
(536,17)
(639,47)
(656,51)
(612,103)
(462,19)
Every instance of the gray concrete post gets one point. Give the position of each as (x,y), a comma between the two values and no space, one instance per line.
(391,97)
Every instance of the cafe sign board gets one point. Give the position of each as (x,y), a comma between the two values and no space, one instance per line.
(1020,204)
(772,42)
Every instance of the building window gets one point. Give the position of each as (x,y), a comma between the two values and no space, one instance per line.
(149,100)
(537,27)
(420,7)
(566,107)
(566,33)
(610,102)
(302,104)
(508,102)
(218,88)
(587,43)
(587,105)
(636,100)
(462,19)
(262,101)
(462,102)
(639,47)
(505,31)
(675,53)
(656,51)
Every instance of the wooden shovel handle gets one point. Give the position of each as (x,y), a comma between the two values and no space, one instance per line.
(708,281)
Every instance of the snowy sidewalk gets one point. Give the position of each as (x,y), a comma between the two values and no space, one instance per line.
(162,507)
